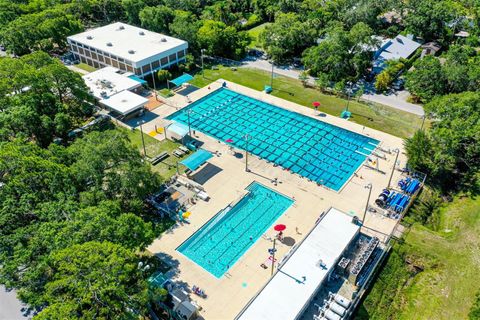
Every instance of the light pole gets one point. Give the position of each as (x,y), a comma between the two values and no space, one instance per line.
(189,127)
(273,255)
(369,187)
(393,169)
(348,93)
(154,85)
(271,78)
(201,56)
(247,137)
(423,121)
(143,140)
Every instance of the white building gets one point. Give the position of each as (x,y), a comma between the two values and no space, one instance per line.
(116,91)
(394,49)
(127,48)
(292,288)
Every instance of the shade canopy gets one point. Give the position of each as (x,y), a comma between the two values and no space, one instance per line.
(194,161)
(229,140)
(182,79)
(178,129)
(139,80)
(280,227)
(316,104)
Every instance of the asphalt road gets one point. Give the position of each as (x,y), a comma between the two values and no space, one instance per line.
(10,306)
(395,100)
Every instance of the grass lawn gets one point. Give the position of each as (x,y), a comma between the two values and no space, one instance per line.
(255,32)
(444,283)
(168,167)
(393,121)
(85,67)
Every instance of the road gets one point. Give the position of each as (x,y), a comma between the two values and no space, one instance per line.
(10,306)
(395,100)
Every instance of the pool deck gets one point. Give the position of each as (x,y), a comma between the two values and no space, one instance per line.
(227,295)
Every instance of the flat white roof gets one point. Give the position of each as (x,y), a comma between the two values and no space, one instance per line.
(289,291)
(124,102)
(124,38)
(109,81)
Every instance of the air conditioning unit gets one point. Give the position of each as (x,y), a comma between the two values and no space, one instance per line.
(109,44)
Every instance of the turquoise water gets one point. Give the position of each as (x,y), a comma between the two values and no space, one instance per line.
(316,150)
(231,232)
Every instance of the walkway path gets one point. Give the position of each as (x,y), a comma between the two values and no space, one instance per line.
(396,100)
(10,306)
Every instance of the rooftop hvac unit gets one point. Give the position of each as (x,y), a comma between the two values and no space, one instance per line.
(131,51)
(89,37)
(109,44)
(141,33)
(121,28)
(163,40)
(338,309)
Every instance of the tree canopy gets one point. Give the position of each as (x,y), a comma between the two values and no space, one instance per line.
(54,199)
(40,99)
(341,54)
(450,151)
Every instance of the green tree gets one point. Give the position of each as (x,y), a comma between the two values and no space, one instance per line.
(221,40)
(449,152)
(383,81)
(341,54)
(157,18)
(163,75)
(427,79)
(475,310)
(95,280)
(185,26)
(40,31)
(132,9)
(287,37)
(49,99)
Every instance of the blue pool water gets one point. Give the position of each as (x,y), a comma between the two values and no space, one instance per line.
(230,233)
(316,150)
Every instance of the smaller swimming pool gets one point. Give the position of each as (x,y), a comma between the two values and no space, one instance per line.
(218,245)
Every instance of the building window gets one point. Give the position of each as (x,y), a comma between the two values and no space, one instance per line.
(138,71)
(121,60)
(164,61)
(87,53)
(115,63)
(90,62)
(75,48)
(94,56)
(83,59)
(107,61)
(155,64)
(180,53)
(100,58)
(129,68)
(172,58)
(122,66)
(95,64)
(81,50)
(146,68)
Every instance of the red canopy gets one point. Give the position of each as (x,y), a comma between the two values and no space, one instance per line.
(229,140)
(316,104)
(280,227)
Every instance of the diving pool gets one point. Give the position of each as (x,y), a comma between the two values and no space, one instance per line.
(314,149)
(231,232)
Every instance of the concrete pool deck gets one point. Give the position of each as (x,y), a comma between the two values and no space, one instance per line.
(227,295)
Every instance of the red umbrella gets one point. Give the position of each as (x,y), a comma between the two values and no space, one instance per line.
(229,140)
(316,104)
(280,227)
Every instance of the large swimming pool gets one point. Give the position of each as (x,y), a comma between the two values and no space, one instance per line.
(230,233)
(316,150)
